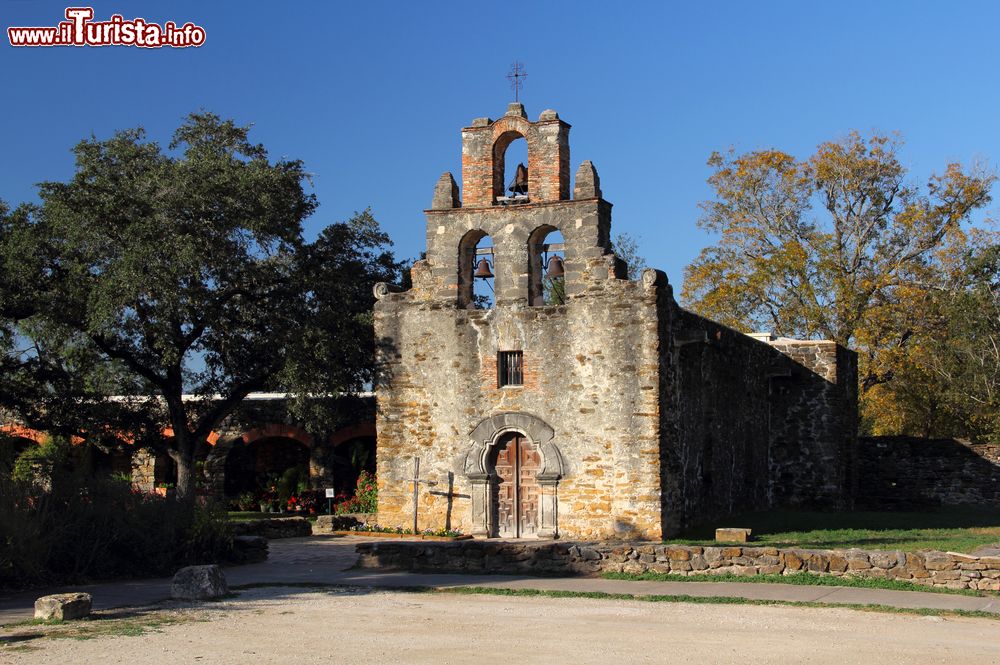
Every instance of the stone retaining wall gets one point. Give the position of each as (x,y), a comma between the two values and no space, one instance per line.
(951,570)
(274,528)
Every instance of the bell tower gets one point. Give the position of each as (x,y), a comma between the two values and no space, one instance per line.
(523,396)
(485,142)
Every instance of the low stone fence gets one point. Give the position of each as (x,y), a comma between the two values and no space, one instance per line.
(951,570)
(274,528)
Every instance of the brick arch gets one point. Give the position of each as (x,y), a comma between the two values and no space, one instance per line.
(22,432)
(273,430)
(501,142)
(351,432)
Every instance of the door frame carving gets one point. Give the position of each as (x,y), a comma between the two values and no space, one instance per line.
(482,439)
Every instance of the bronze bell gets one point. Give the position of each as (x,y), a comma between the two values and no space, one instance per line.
(520,185)
(556,268)
(483,269)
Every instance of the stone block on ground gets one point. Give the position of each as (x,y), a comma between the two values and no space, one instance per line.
(249,549)
(63,606)
(732,535)
(199,583)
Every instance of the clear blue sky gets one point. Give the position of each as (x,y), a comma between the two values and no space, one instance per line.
(372,95)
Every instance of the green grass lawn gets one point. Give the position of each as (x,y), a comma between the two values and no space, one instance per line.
(946,529)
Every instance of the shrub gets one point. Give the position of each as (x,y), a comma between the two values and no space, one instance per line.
(247,501)
(78,528)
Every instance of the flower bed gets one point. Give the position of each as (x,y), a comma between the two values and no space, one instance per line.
(376,531)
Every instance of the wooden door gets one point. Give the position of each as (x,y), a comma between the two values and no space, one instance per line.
(516,497)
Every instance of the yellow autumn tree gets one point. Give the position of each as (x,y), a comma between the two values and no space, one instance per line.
(839,246)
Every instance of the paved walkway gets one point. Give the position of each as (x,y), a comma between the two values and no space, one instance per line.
(326,560)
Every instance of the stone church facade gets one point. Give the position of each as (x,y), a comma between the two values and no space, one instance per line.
(614,413)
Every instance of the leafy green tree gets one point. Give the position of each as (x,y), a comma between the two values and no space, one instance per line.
(839,246)
(949,382)
(153,273)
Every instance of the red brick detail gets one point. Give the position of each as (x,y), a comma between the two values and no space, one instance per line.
(530,374)
(282,430)
(212,438)
(38,436)
(482,160)
(22,432)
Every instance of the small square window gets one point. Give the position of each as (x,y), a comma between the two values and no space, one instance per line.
(510,368)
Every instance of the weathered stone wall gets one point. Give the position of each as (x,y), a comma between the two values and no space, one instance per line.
(274,528)
(717,457)
(758,423)
(901,472)
(814,425)
(950,570)
(591,374)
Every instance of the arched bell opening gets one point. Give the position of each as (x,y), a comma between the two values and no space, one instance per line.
(546,267)
(510,170)
(476,271)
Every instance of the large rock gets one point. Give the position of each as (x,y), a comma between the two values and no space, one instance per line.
(63,607)
(199,583)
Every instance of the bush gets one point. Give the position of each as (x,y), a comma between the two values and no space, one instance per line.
(77,529)
(365,499)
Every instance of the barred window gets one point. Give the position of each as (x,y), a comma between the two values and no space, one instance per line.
(510,368)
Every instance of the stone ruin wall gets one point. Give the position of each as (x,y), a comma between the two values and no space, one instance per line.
(717,452)
(901,472)
(759,424)
(814,427)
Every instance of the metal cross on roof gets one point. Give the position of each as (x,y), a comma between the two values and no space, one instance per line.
(517,72)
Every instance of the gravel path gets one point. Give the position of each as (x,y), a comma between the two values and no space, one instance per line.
(295,625)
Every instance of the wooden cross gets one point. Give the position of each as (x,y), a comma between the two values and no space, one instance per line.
(416,486)
(450,495)
(517,72)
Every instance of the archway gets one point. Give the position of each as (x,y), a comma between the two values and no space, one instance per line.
(510,171)
(533,439)
(347,453)
(266,462)
(11,449)
(514,463)
(546,265)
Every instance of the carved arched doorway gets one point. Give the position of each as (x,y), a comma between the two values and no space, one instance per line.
(513,468)
(514,463)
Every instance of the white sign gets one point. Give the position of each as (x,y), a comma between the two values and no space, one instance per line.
(330,493)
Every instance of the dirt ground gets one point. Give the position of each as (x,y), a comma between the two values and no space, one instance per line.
(291,625)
